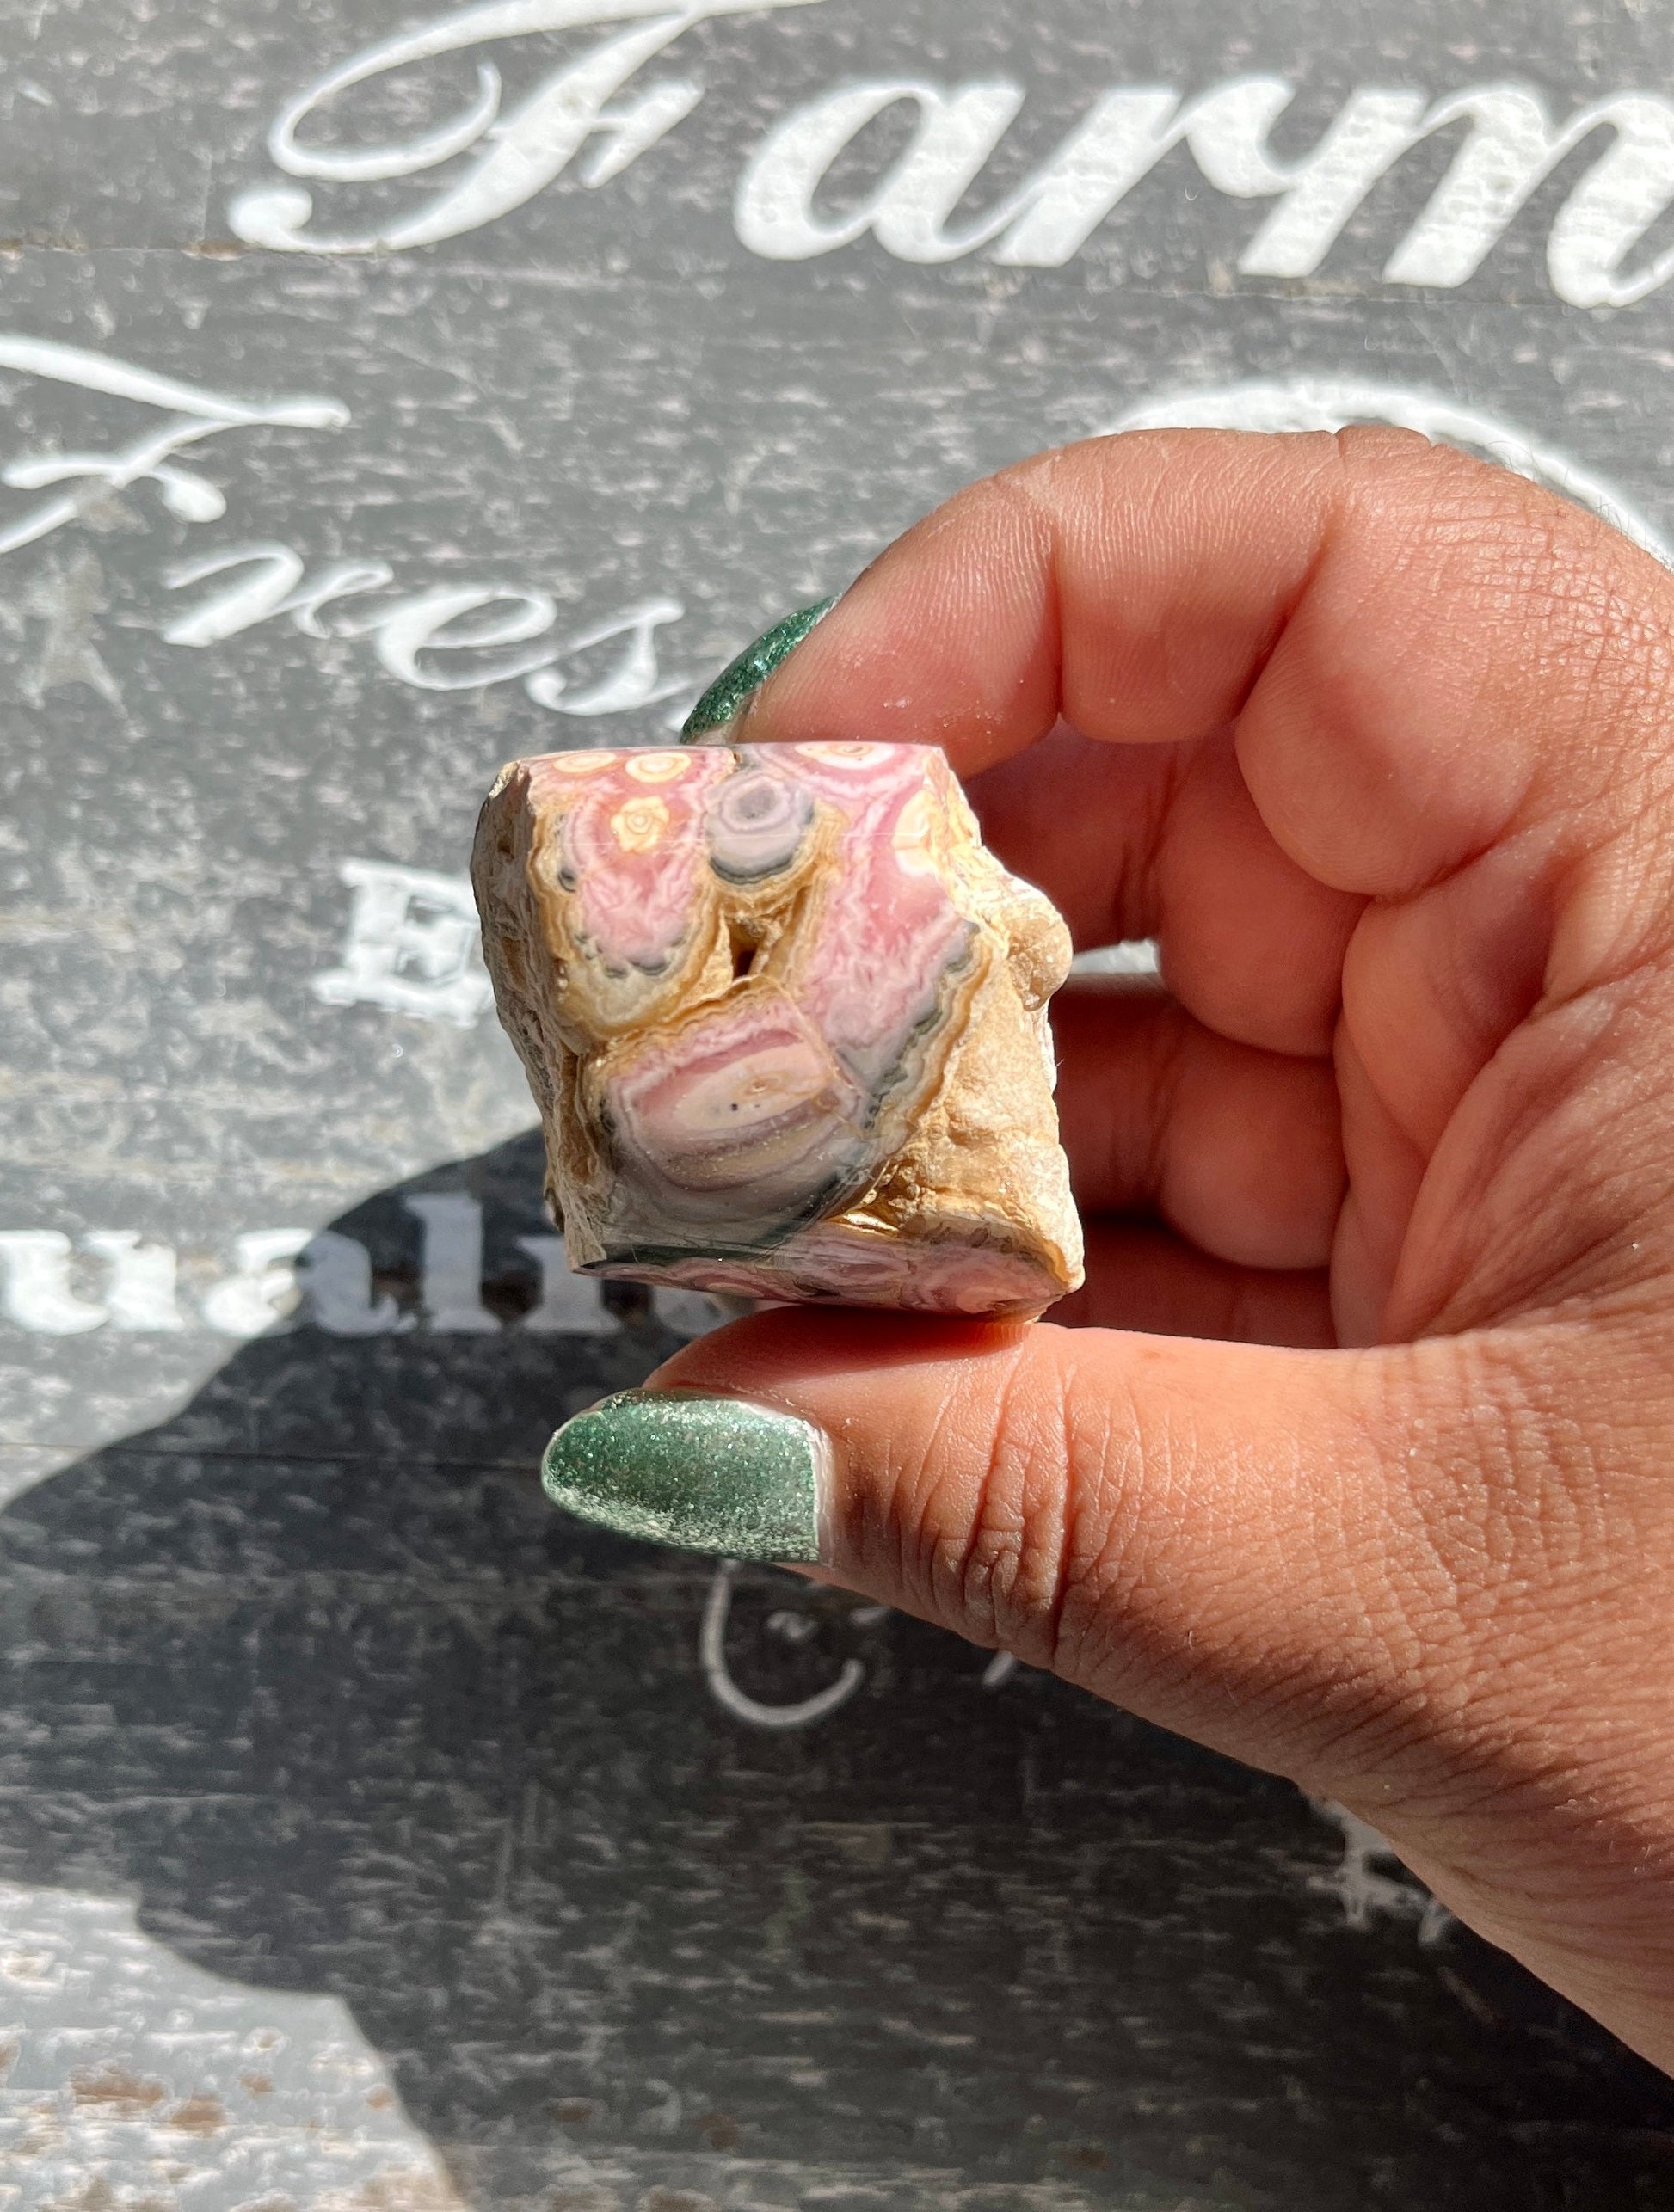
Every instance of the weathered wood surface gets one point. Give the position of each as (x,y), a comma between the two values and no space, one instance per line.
(464,1856)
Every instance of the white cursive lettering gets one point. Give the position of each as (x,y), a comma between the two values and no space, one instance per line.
(275,587)
(1513,147)
(521,152)
(200,413)
(409,634)
(427,621)
(957,134)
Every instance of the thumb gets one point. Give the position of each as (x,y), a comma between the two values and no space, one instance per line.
(1211,1535)
(1425,1579)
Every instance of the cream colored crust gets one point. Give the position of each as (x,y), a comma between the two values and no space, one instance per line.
(974,1157)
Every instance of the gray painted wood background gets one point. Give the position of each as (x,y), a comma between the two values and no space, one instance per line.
(388,391)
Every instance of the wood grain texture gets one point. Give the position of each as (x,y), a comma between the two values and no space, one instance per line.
(297,1664)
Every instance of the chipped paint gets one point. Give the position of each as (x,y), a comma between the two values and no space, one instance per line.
(136,2081)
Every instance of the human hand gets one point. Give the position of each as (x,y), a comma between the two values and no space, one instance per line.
(1361,1473)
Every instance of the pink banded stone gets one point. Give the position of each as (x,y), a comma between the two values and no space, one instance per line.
(784,1019)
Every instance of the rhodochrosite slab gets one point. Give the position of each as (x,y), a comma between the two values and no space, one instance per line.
(786,1021)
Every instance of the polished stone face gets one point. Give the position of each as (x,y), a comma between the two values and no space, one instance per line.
(785,1021)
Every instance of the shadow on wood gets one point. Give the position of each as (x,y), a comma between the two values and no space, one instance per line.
(313,1671)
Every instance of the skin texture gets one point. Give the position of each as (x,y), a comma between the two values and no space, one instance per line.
(1354,1459)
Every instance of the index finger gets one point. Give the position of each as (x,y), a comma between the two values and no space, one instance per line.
(1359,605)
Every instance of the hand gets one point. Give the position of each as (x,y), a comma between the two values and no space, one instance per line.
(1364,1473)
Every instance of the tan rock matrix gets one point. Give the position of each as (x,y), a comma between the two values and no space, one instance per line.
(784,1019)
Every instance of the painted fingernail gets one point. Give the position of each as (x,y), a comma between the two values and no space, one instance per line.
(720,1475)
(732,688)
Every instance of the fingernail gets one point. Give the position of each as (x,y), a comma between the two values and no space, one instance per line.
(720,1475)
(732,688)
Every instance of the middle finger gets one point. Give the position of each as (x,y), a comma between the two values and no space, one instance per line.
(1237,1149)
(1164,841)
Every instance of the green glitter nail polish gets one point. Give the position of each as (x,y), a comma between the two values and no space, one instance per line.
(750,671)
(719,1475)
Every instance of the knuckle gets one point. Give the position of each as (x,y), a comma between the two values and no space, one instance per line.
(998,1542)
(1551,599)
(1040,1556)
